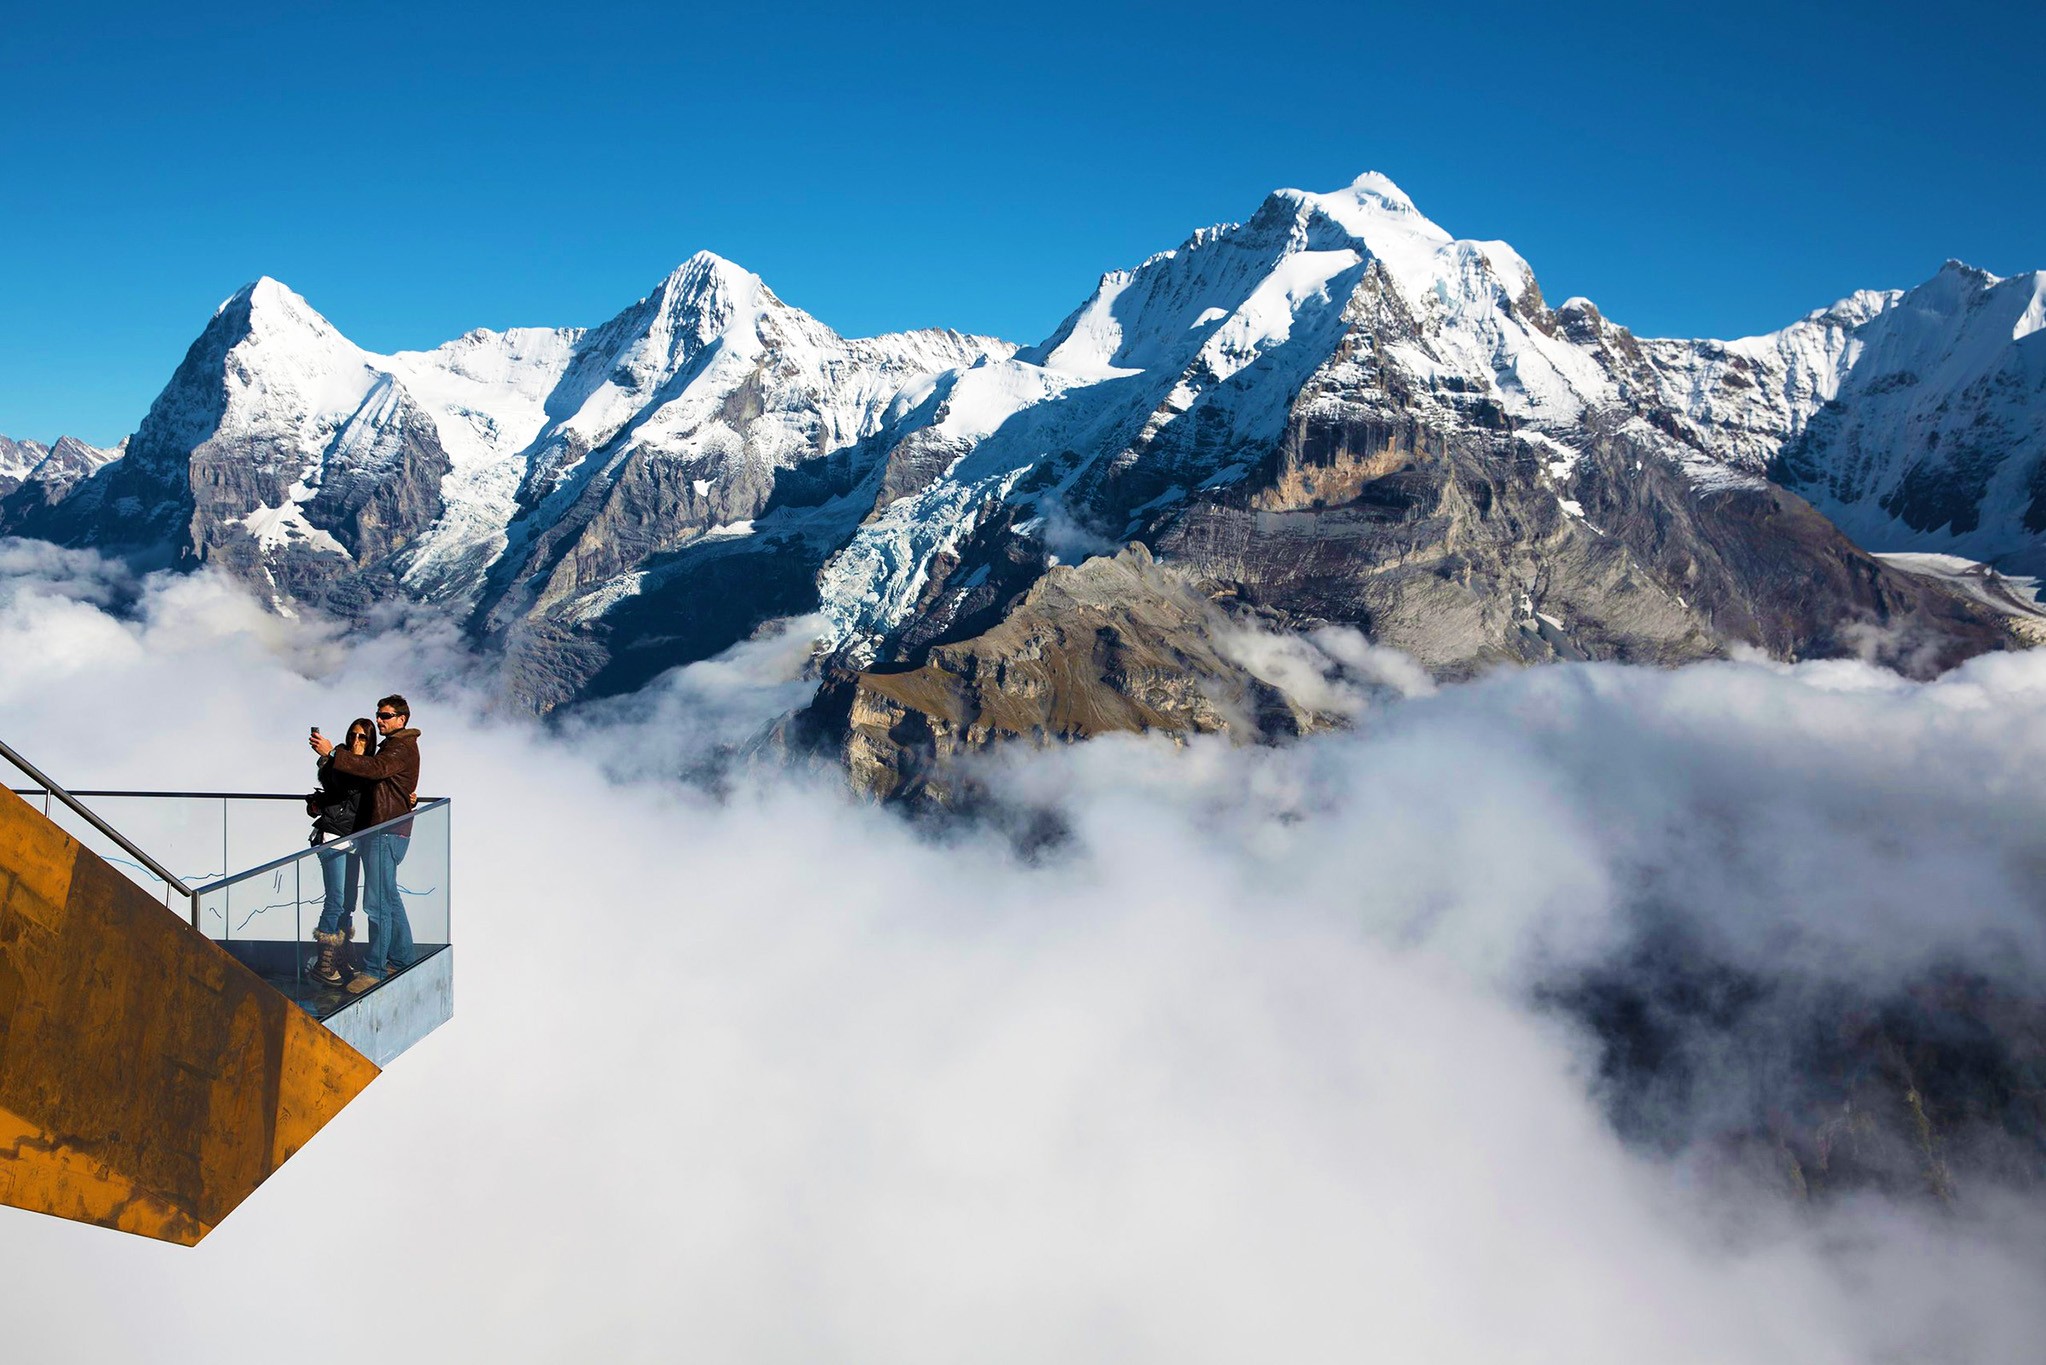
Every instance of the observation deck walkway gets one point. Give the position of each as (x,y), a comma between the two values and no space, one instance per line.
(164,1043)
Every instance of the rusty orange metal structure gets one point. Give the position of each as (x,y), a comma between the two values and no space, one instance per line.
(148,1081)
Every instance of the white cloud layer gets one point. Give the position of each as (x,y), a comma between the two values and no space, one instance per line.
(1250,1066)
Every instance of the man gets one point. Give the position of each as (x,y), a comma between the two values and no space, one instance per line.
(394,770)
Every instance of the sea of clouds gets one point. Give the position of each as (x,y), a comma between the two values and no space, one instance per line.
(1257,1059)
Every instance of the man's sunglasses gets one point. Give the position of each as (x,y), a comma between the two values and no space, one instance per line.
(389,715)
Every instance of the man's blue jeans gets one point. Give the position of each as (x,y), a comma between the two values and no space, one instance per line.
(390,932)
(341,873)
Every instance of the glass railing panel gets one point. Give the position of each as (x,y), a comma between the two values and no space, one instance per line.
(75,825)
(385,890)
(198,838)
(269,915)
(422,876)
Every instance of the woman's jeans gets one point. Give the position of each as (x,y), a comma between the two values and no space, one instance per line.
(341,872)
(390,932)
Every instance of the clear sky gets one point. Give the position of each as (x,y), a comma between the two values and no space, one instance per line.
(415,171)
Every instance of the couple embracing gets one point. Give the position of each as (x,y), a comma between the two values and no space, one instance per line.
(365,783)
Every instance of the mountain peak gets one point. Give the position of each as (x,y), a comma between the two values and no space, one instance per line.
(269,291)
(1374,218)
(1370,212)
(268,306)
(265,291)
(709,260)
(1372,206)
(699,298)
(707,275)
(1968,272)
(1376,186)
(1955,287)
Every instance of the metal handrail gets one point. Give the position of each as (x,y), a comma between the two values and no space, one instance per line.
(84,813)
(422,808)
(216,796)
(191,796)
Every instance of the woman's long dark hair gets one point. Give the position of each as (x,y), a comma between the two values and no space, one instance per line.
(369,729)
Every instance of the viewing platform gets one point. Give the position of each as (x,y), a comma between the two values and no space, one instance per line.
(165,1039)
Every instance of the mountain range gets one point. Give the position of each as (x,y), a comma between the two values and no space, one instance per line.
(49,472)
(1332,413)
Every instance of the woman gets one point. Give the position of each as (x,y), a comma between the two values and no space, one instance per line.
(340,807)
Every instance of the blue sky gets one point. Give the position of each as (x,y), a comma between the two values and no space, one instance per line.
(417,171)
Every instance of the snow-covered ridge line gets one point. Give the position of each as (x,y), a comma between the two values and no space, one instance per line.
(468,440)
(539,482)
(55,468)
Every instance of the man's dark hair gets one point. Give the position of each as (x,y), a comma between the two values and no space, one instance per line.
(394,702)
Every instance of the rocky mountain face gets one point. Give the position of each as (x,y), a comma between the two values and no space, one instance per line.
(1117,643)
(1334,413)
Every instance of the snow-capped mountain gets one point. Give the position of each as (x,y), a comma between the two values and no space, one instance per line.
(1334,411)
(51,471)
(1177,379)
(336,476)
(1936,440)
(1915,419)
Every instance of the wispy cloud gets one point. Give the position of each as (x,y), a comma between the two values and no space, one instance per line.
(1261,1061)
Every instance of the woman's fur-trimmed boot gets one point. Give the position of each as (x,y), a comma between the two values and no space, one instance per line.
(327,971)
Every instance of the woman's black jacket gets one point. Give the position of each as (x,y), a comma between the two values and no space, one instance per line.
(341,804)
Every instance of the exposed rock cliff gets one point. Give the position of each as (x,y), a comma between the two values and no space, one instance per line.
(1115,644)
